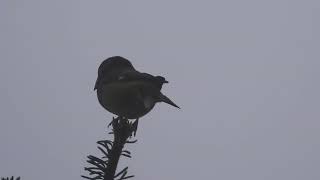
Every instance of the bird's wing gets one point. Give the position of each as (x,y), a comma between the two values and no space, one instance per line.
(135,76)
(130,76)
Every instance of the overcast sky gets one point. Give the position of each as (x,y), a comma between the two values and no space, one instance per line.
(244,72)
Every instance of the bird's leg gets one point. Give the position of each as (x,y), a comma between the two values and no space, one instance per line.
(135,127)
(113,121)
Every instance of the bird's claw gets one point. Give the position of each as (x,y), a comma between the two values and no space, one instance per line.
(114,121)
(135,127)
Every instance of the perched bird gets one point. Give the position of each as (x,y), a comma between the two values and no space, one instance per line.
(126,92)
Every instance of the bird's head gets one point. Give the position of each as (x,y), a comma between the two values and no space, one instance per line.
(110,67)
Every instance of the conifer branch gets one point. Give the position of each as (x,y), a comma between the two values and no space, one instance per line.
(105,168)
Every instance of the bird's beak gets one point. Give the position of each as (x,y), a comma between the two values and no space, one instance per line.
(97,82)
(165,99)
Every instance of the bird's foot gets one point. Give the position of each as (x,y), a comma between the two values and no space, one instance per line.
(135,127)
(114,121)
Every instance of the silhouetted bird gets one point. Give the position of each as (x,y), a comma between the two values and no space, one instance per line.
(126,92)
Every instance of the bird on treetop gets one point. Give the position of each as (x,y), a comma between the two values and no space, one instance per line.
(126,92)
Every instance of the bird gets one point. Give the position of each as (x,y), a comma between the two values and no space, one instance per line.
(126,92)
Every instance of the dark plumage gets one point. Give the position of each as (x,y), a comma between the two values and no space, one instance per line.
(124,91)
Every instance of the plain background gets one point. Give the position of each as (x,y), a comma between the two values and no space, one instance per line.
(245,74)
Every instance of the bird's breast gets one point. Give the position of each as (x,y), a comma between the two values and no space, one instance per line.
(130,100)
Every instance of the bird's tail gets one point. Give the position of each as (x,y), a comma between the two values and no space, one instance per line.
(163,98)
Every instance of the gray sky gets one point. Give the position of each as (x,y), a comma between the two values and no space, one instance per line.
(246,74)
